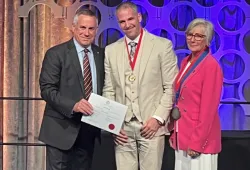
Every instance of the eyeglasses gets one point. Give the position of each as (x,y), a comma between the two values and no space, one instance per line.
(197,37)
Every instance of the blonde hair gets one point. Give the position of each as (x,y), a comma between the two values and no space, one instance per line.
(209,28)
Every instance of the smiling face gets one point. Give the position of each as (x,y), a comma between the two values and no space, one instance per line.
(129,21)
(84,31)
(196,39)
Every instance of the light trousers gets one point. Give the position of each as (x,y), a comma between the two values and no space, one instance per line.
(139,152)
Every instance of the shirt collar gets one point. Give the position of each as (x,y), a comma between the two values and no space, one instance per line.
(79,48)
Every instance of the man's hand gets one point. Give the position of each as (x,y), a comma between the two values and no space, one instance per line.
(121,139)
(192,153)
(84,107)
(150,128)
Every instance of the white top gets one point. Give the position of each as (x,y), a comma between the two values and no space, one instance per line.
(185,69)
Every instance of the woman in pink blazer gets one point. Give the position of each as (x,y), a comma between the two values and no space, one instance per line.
(196,135)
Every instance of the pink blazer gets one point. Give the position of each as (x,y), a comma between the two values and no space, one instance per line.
(199,126)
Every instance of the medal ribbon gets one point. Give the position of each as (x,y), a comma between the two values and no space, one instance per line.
(132,63)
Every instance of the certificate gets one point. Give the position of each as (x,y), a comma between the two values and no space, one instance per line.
(107,114)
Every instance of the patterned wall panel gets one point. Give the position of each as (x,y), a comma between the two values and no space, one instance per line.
(169,19)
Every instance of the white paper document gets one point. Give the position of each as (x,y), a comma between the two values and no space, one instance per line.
(107,114)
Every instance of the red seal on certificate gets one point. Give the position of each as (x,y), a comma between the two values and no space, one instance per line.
(111,126)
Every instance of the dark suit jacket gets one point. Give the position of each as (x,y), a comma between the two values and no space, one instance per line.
(61,83)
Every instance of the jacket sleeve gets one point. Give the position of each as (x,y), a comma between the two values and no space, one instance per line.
(210,99)
(108,89)
(169,70)
(50,82)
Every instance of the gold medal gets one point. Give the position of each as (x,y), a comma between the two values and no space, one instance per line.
(131,78)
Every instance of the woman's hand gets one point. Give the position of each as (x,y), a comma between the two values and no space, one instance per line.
(170,142)
(193,153)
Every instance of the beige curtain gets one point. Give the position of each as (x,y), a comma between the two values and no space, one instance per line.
(23,42)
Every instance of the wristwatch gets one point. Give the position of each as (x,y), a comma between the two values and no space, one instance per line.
(160,123)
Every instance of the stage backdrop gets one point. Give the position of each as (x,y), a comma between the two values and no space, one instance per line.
(29,27)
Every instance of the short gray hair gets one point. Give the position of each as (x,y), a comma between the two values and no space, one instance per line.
(209,28)
(84,11)
(125,5)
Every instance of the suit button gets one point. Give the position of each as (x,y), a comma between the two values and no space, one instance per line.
(133,92)
(184,110)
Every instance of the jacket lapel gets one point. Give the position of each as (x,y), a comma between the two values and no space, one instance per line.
(146,49)
(121,55)
(192,74)
(72,53)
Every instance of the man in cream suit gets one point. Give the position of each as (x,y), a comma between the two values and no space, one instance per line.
(139,72)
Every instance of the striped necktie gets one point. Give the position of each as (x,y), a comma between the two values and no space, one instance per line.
(87,74)
(132,49)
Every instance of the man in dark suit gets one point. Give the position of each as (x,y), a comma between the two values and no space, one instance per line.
(70,72)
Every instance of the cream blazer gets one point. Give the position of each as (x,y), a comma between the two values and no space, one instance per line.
(158,69)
